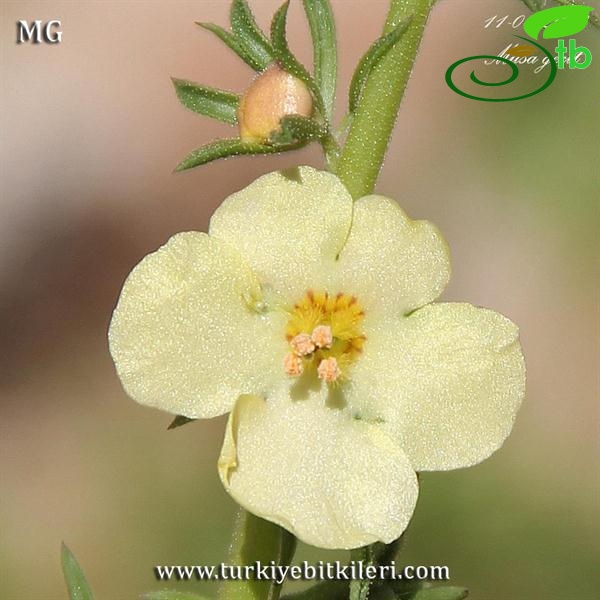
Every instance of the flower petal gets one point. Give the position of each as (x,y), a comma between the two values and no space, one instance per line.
(333,481)
(182,337)
(391,262)
(448,380)
(288,226)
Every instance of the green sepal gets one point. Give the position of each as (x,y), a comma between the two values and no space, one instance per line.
(235,44)
(295,128)
(374,54)
(229,147)
(77,584)
(322,31)
(442,593)
(243,25)
(557,22)
(172,595)
(178,421)
(288,61)
(210,102)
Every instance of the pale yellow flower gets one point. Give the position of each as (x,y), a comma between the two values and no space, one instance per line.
(308,317)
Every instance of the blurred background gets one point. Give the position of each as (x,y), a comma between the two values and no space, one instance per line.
(91,130)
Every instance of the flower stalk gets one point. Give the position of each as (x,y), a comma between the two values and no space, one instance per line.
(255,539)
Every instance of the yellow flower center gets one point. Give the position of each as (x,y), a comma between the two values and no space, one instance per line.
(324,334)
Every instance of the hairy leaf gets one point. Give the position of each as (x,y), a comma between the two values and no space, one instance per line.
(378,49)
(211,102)
(322,30)
(229,147)
(235,44)
(243,25)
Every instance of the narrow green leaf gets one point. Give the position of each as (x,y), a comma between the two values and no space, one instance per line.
(211,102)
(243,25)
(77,585)
(442,593)
(229,147)
(287,60)
(178,421)
(322,30)
(235,44)
(557,22)
(374,54)
(172,595)
(296,128)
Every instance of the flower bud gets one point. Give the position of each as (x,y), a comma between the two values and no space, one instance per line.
(273,95)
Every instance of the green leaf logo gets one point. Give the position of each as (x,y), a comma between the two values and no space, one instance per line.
(561,21)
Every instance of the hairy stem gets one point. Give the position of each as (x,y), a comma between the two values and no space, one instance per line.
(373,121)
(255,539)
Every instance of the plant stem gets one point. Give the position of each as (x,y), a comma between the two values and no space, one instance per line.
(331,150)
(374,554)
(359,588)
(373,121)
(255,539)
